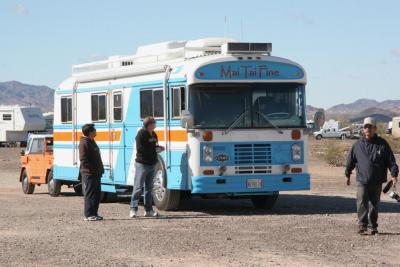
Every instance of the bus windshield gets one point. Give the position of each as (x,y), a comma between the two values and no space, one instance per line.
(258,105)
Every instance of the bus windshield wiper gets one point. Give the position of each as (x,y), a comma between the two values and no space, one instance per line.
(270,122)
(235,122)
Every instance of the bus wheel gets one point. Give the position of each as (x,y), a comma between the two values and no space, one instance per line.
(318,137)
(164,198)
(265,202)
(54,186)
(108,197)
(27,187)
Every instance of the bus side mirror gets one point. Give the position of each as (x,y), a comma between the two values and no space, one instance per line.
(186,119)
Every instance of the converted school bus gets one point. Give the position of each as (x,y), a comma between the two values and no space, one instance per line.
(230,115)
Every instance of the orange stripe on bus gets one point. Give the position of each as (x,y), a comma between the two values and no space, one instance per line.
(174,135)
(101,136)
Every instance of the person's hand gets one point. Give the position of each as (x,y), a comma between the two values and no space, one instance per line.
(394,179)
(347,181)
(160,149)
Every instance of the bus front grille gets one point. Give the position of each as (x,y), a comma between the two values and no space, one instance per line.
(252,154)
(253,169)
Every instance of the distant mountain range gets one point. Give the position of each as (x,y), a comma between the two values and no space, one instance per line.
(355,112)
(17,93)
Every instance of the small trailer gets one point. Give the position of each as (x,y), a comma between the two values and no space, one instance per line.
(17,122)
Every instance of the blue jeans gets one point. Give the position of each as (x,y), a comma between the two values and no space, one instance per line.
(144,174)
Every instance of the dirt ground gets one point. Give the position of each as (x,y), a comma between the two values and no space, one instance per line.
(307,228)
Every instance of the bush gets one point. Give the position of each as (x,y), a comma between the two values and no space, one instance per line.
(333,154)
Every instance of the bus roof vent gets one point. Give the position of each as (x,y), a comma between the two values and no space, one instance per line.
(247,48)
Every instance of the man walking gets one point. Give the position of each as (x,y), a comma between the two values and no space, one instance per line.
(91,169)
(372,156)
(146,160)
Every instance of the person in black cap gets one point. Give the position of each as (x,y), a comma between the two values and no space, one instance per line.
(146,160)
(91,169)
(373,157)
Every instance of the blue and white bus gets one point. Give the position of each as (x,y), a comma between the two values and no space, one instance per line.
(230,115)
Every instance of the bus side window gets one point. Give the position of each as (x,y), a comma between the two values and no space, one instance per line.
(117,106)
(151,103)
(66,109)
(99,107)
(178,101)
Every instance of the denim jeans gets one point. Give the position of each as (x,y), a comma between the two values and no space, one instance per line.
(368,197)
(144,174)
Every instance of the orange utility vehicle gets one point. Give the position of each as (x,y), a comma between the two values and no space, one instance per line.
(37,164)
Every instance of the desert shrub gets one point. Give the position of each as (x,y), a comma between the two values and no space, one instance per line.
(333,154)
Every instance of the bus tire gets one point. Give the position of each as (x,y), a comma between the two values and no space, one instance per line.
(164,198)
(53,185)
(265,202)
(27,187)
(318,137)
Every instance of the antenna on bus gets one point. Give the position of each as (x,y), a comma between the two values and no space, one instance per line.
(226,26)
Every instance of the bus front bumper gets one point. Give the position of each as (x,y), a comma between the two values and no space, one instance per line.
(250,184)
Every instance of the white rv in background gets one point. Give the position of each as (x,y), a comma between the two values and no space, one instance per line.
(16,122)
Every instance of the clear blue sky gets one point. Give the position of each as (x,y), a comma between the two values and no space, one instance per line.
(350,49)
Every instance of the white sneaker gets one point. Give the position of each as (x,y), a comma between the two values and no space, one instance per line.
(133,213)
(151,213)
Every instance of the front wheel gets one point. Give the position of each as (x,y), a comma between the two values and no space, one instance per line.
(265,202)
(53,185)
(27,187)
(164,198)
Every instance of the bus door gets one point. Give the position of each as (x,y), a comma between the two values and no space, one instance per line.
(116,144)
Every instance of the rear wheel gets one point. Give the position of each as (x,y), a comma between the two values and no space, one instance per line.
(265,202)
(164,198)
(318,137)
(53,185)
(27,187)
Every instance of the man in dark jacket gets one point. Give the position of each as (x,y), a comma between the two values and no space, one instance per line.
(146,160)
(373,157)
(91,169)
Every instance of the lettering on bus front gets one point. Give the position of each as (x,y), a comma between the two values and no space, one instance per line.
(246,71)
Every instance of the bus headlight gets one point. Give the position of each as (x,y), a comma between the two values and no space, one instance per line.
(296,152)
(208,153)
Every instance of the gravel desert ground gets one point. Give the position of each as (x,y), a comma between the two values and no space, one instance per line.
(308,228)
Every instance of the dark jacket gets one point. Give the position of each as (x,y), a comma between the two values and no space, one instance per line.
(372,158)
(89,155)
(146,145)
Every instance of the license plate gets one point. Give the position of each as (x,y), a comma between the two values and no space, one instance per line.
(254,183)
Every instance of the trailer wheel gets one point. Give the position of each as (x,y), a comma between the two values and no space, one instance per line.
(164,198)
(265,202)
(27,187)
(53,185)
(318,137)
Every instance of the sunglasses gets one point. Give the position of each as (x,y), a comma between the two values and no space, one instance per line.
(368,126)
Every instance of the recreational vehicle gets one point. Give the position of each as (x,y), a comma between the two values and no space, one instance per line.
(230,116)
(16,122)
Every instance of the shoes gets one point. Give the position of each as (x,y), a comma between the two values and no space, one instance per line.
(362,229)
(150,213)
(133,213)
(92,218)
(374,231)
(99,218)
